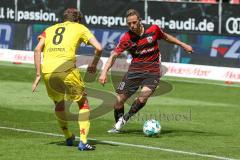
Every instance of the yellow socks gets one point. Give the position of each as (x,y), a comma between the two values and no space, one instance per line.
(84,124)
(64,126)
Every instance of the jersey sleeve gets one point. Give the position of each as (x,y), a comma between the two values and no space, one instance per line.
(159,32)
(42,35)
(86,35)
(123,45)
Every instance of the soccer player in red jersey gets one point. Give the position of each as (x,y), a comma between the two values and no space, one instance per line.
(141,41)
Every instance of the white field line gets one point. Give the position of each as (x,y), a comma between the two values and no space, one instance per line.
(192,80)
(125,144)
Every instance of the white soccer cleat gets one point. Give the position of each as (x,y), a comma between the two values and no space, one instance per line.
(113,130)
(117,127)
(121,122)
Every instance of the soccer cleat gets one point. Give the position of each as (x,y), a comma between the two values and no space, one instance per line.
(121,122)
(85,147)
(69,141)
(113,130)
(117,127)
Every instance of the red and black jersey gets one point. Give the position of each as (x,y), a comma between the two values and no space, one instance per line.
(144,49)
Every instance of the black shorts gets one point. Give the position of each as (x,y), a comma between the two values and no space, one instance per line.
(132,81)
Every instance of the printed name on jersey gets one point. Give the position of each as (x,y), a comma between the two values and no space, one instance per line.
(147,50)
(56,50)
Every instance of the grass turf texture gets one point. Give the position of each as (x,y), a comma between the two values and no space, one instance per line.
(196,116)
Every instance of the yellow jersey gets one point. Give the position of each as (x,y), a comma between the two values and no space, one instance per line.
(62,41)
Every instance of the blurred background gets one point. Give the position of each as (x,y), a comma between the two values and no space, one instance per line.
(211,27)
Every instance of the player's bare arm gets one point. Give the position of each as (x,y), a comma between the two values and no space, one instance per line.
(108,65)
(37,62)
(98,52)
(174,40)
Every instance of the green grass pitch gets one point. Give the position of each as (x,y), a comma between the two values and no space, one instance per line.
(197,116)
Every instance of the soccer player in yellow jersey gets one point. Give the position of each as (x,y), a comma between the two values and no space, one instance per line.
(62,78)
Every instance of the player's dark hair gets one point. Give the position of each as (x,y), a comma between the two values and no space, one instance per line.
(72,14)
(132,12)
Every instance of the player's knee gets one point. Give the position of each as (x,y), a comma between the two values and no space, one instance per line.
(142,99)
(120,100)
(59,106)
(83,104)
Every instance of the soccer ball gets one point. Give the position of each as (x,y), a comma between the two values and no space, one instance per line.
(151,128)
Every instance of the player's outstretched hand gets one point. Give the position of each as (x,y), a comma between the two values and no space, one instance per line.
(92,69)
(188,49)
(35,83)
(102,79)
